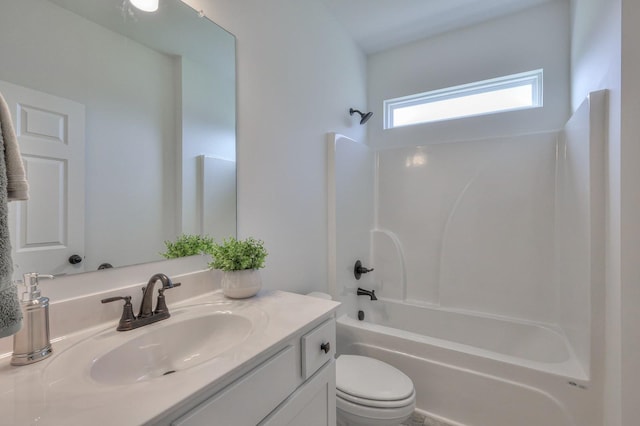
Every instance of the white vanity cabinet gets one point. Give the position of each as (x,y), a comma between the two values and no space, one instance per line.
(281,373)
(294,385)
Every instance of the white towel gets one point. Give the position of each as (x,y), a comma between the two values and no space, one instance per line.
(17,185)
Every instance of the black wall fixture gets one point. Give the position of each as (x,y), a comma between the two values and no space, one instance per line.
(364,117)
(358,270)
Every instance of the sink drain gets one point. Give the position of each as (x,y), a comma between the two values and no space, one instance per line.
(169,372)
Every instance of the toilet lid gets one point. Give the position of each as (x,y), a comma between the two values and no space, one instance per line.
(368,378)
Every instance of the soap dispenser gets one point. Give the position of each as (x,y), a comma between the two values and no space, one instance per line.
(31,344)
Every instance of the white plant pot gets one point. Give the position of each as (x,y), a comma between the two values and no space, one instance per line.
(241,284)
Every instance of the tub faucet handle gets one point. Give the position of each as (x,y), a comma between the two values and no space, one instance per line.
(358,270)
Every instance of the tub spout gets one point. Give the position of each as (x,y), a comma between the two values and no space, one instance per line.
(370,293)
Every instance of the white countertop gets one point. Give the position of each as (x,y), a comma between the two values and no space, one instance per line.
(44,394)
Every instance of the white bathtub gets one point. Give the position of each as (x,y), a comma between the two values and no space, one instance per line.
(474,369)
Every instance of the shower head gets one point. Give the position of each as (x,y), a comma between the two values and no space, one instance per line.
(363,117)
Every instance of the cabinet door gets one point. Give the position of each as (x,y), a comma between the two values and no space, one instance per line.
(250,398)
(312,404)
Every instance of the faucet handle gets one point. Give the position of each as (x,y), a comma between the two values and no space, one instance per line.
(161,304)
(358,270)
(127,299)
(127,317)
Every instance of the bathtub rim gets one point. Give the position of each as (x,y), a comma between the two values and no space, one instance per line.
(570,370)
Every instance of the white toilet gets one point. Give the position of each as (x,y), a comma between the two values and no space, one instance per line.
(370,392)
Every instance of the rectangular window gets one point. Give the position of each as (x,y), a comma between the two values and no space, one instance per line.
(512,92)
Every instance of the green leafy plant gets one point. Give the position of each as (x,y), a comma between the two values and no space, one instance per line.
(188,245)
(237,255)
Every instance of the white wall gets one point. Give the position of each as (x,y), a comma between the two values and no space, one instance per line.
(596,64)
(298,74)
(121,225)
(532,39)
(605,55)
(630,211)
(209,124)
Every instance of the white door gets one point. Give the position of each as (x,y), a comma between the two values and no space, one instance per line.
(48,229)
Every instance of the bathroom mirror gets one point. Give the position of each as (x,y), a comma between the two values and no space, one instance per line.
(148,100)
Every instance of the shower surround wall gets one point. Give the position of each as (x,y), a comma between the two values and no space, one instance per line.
(351,214)
(511,227)
(579,271)
(475,222)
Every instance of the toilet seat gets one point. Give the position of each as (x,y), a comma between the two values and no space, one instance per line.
(372,383)
(373,403)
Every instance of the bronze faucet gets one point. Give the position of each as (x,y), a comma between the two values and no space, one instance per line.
(146,305)
(370,293)
(147,315)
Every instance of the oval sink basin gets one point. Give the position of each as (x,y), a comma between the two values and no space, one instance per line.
(174,347)
(192,336)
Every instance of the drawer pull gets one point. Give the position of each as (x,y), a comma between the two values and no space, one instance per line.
(326,347)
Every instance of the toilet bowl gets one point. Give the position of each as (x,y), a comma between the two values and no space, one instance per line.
(370,392)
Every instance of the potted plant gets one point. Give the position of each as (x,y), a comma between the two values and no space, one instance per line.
(188,245)
(239,261)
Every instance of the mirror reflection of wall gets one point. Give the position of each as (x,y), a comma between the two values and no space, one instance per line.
(158,91)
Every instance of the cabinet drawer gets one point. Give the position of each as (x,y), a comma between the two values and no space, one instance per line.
(250,398)
(317,347)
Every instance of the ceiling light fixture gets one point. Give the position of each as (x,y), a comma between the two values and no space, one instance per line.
(146,5)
